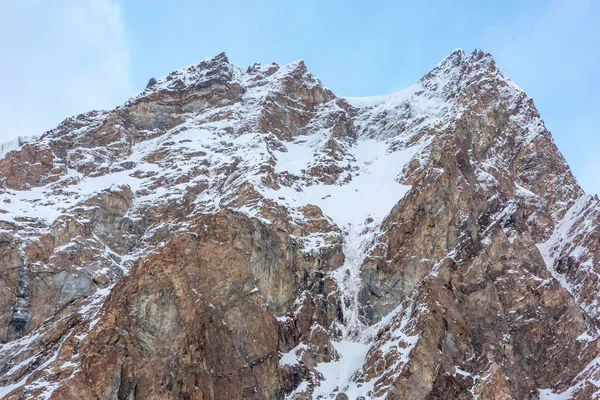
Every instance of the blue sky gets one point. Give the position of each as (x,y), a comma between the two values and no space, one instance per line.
(62,57)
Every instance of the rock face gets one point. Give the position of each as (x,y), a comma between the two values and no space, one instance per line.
(15,144)
(247,234)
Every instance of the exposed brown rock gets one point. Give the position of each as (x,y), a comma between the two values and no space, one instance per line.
(187,245)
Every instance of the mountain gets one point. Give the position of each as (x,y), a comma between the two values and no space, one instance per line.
(248,234)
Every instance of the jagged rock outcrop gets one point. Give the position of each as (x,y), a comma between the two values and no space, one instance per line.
(233,233)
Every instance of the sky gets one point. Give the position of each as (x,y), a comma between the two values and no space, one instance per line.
(63,57)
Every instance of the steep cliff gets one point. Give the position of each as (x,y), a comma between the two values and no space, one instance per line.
(248,234)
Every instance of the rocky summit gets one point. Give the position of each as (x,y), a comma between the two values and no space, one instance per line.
(239,233)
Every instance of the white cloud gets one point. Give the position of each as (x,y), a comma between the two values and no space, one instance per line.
(59,58)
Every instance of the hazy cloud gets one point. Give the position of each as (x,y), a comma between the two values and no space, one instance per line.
(59,58)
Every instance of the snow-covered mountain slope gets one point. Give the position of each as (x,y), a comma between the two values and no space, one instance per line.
(233,233)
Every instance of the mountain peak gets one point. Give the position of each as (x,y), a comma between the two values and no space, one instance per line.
(479,54)
(193,77)
(270,240)
(454,59)
(221,57)
(458,63)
